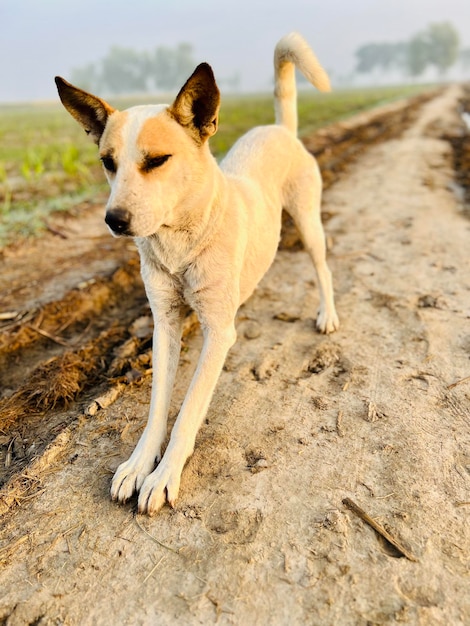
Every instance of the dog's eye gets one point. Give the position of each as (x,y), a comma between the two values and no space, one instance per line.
(151,163)
(109,164)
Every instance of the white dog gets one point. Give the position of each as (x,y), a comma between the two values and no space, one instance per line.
(206,235)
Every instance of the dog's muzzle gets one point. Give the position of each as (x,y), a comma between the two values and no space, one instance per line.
(119,221)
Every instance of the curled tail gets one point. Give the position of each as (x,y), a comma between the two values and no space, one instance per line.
(293,51)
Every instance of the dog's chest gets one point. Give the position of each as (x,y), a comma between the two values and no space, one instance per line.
(171,254)
(170,268)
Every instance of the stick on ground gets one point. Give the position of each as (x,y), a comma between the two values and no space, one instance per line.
(463,380)
(352,506)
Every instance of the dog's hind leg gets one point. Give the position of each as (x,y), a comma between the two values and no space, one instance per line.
(168,317)
(303,205)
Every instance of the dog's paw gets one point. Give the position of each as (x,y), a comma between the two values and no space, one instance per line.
(129,478)
(327,322)
(161,485)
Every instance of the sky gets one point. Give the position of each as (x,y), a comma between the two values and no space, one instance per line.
(42,38)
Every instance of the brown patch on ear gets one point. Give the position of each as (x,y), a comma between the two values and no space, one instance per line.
(90,112)
(197,105)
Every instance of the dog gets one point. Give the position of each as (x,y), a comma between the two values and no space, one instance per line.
(206,235)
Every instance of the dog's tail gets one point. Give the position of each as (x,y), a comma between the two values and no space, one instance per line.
(293,51)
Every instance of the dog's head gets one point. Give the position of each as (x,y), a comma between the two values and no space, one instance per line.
(155,157)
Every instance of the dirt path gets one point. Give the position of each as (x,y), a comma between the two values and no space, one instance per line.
(260,534)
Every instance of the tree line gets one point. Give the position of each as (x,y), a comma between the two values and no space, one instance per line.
(124,70)
(437,46)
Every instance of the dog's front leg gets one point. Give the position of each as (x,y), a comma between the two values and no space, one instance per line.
(168,317)
(164,482)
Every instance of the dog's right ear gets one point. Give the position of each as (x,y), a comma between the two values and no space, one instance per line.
(197,105)
(89,111)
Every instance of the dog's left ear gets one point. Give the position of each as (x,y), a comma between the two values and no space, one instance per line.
(197,105)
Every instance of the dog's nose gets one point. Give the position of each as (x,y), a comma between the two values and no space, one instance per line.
(119,221)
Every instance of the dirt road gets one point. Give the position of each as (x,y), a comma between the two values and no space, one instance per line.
(377,413)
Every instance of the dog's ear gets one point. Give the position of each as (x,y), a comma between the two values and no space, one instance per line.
(89,111)
(197,105)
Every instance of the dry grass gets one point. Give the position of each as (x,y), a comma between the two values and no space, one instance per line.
(77,307)
(58,381)
(28,482)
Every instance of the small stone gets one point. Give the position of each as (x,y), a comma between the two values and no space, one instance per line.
(252,330)
(92,409)
(286,317)
(259,466)
(428,301)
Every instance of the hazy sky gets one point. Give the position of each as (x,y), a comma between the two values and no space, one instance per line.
(42,38)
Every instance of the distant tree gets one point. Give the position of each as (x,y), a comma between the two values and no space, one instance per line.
(437,45)
(417,55)
(390,55)
(443,42)
(399,51)
(367,58)
(381,56)
(123,70)
(87,77)
(184,63)
(171,67)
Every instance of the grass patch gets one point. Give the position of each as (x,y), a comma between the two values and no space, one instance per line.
(30,217)
(37,139)
(47,165)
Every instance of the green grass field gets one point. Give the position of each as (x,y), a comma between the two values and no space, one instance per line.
(48,164)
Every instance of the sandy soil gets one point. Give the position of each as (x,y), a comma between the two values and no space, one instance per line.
(377,413)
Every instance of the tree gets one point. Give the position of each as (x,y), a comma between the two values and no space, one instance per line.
(384,56)
(443,42)
(437,45)
(417,55)
(87,77)
(367,58)
(123,70)
(184,63)
(171,67)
